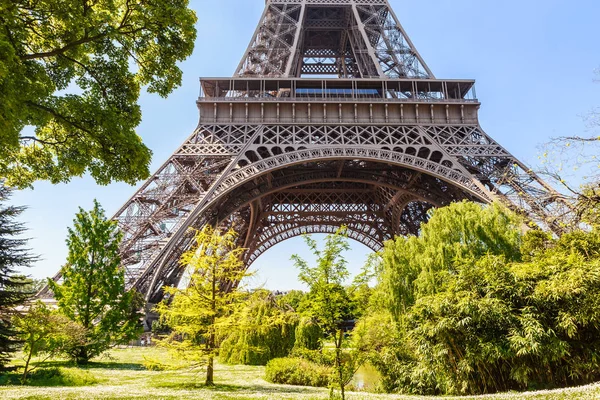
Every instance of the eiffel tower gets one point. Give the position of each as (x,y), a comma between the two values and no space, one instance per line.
(331,118)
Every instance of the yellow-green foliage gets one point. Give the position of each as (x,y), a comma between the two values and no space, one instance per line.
(298,371)
(260,331)
(309,335)
(201,311)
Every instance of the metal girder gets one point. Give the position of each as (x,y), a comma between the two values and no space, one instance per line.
(362,39)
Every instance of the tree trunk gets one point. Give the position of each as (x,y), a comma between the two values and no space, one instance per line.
(338,361)
(210,371)
(82,357)
(26,370)
(211,338)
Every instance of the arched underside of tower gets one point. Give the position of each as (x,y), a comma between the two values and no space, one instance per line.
(376,200)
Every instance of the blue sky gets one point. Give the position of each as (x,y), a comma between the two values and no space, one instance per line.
(533,62)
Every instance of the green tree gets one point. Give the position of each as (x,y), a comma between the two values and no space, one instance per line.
(73,71)
(199,312)
(46,333)
(478,306)
(419,265)
(93,291)
(328,302)
(13,256)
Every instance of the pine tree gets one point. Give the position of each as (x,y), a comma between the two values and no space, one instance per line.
(93,291)
(13,256)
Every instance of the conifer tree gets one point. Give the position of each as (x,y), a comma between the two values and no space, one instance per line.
(197,312)
(13,256)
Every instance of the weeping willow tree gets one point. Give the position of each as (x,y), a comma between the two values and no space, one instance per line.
(415,266)
(478,306)
(262,329)
(199,312)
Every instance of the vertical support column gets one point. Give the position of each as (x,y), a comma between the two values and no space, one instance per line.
(368,47)
(292,60)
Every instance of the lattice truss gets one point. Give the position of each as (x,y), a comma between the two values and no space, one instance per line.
(273,182)
(350,39)
(273,178)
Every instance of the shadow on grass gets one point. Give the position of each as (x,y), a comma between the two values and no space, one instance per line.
(53,376)
(114,365)
(229,388)
(96,365)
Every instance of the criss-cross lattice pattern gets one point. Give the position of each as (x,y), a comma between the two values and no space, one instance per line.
(351,39)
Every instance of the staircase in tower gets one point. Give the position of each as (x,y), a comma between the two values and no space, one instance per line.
(332,118)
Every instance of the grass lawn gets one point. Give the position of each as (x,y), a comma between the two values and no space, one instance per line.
(122,376)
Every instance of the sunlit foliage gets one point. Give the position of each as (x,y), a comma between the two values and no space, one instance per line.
(71,73)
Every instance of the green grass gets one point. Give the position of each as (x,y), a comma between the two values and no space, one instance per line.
(122,375)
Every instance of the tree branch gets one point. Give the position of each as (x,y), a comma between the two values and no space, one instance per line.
(56,52)
(578,139)
(45,142)
(92,74)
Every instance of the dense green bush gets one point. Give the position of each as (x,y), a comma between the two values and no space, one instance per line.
(261,331)
(478,307)
(298,371)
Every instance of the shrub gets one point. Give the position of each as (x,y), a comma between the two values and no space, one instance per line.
(298,371)
(321,357)
(478,307)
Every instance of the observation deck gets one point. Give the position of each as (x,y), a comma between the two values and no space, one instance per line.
(335,100)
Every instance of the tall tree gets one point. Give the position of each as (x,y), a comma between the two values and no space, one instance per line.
(198,311)
(73,70)
(262,329)
(13,256)
(93,291)
(328,301)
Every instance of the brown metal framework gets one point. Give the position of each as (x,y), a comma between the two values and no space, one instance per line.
(332,118)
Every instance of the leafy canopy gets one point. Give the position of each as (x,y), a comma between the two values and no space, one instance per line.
(93,291)
(461,232)
(263,328)
(45,333)
(478,306)
(71,72)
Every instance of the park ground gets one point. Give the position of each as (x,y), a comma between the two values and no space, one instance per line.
(123,374)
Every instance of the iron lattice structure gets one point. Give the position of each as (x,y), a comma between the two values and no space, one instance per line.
(332,118)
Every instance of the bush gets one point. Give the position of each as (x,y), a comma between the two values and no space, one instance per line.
(297,371)
(321,357)
(478,307)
